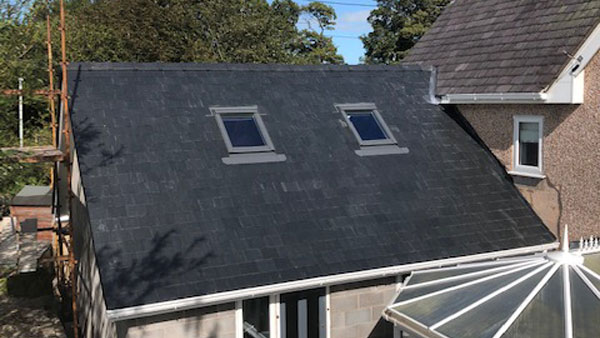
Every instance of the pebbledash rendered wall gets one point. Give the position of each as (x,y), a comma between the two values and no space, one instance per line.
(570,193)
(355,312)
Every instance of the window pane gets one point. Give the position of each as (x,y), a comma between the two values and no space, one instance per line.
(256,317)
(243,131)
(367,126)
(303,314)
(529,143)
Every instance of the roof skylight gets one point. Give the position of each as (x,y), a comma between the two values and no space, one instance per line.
(370,130)
(245,135)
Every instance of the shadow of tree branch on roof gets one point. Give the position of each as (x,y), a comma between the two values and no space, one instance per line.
(143,271)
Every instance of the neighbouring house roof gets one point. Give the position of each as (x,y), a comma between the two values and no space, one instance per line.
(170,220)
(503,46)
(551,295)
(32,195)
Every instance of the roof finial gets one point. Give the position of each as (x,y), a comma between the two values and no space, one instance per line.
(565,239)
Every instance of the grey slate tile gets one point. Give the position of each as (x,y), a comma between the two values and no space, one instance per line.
(506,36)
(169,220)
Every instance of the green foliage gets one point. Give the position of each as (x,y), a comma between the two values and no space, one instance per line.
(397,26)
(22,54)
(236,31)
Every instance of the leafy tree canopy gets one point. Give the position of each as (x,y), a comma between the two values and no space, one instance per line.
(397,26)
(237,31)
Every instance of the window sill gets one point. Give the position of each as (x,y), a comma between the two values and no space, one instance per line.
(523,174)
(251,158)
(381,150)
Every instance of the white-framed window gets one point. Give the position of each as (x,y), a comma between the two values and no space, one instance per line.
(245,135)
(303,314)
(528,136)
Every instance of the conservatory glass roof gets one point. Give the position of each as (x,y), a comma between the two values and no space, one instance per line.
(546,295)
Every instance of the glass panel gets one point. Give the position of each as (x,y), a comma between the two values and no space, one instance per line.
(592,262)
(256,317)
(427,276)
(433,309)
(529,143)
(595,281)
(303,314)
(586,307)
(367,126)
(243,131)
(544,317)
(485,320)
(411,293)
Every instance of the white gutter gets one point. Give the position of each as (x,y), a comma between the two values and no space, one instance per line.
(259,291)
(496,98)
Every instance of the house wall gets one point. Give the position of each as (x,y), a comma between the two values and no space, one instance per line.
(208,322)
(42,213)
(356,309)
(90,299)
(355,312)
(570,193)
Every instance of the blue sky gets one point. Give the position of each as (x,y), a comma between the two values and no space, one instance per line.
(351,23)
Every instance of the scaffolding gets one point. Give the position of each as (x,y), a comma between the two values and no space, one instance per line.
(63,230)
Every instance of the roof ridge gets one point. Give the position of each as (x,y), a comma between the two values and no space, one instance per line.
(160,66)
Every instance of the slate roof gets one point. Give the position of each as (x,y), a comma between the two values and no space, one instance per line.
(170,220)
(500,46)
(32,195)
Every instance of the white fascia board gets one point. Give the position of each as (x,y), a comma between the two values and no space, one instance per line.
(495,98)
(569,86)
(235,295)
(567,89)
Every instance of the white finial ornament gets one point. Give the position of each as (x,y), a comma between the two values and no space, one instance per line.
(565,239)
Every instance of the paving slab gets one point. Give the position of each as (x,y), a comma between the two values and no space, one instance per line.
(8,244)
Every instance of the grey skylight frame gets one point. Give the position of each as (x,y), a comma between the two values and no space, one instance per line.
(218,112)
(246,155)
(388,146)
(346,108)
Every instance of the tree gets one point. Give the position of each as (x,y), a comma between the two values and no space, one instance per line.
(237,31)
(234,31)
(397,26)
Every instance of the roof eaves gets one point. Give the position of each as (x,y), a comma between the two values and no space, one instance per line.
(486,98)
(229,296)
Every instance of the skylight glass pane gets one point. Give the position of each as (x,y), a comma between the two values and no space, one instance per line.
(544,317)
(366,126)
(529,143)
(485,320)
(586,307)
(243,131)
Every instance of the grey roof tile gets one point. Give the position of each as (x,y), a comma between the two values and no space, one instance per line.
(504,35)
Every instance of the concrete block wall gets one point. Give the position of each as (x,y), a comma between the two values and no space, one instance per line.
(209,322)
(356,309)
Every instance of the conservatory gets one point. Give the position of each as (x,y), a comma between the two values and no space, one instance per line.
(554,294)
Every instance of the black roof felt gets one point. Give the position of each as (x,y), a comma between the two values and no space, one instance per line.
(170,220)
